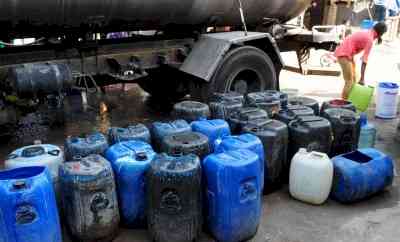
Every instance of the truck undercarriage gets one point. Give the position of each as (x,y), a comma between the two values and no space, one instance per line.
(166,65)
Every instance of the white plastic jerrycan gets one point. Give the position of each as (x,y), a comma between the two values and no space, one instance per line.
(311,175)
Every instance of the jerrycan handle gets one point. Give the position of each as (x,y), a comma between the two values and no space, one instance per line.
(246,111)
(175,137)
(12,156)
(303,121)
(19,185)
(317,154)
(291,113)
(141,156)
(33,151)
(84,162)
(91,139)
(347,118)
(54,152)
(296,102)
(258,125)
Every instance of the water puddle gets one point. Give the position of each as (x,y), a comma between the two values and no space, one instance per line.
(116,108)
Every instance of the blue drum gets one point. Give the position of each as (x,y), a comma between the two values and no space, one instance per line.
(361,174)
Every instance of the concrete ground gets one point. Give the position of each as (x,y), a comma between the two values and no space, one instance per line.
(284,219)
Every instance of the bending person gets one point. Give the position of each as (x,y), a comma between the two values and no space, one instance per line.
(354,44)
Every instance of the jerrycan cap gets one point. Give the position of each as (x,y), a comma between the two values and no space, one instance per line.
(363,119)
(77,157)
(303,150)
(177,152)
(202,118)
(37,142)
(120,130)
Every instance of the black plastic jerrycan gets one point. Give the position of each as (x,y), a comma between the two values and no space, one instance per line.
(275,137)
(310,132)
(346,130)
(174,198)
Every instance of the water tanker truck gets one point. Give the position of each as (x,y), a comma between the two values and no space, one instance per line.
(169,47)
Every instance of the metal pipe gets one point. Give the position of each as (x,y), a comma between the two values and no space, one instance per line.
(242,17)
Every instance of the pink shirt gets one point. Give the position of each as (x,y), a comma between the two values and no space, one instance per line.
(355,43)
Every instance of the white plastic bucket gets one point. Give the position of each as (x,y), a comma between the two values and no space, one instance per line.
(386,100)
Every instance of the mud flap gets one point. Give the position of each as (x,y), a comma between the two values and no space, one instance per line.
(208,52)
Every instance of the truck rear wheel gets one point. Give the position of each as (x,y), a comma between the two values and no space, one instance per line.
(244,69)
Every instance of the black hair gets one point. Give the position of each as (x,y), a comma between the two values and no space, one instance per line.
(380,28)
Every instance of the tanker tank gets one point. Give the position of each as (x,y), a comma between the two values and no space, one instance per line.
(43,15)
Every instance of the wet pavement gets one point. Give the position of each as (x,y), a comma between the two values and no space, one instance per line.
(115,108)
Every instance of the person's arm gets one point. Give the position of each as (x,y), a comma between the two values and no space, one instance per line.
(363,68)
(367,50)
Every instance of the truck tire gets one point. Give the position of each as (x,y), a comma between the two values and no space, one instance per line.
(191,111)
(244,69)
